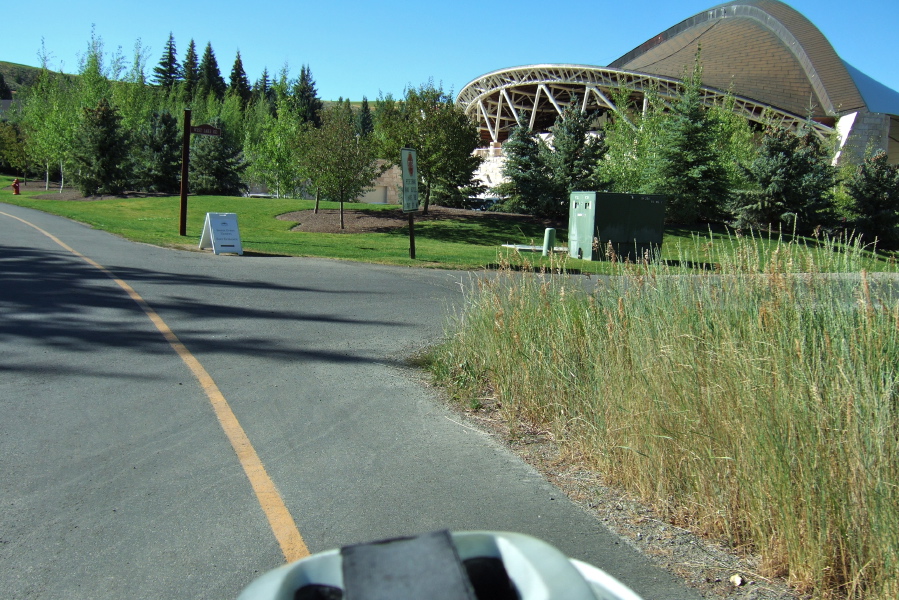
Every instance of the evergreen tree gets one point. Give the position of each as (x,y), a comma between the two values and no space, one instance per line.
(190,72)
(217,164)
(168,72)
(240,85)
(571,161)
(262,89)
(306,101)
(13,152)
(793,183)
(692,175)
(210,79)
(874,189)
(5,92)
(364,123)
(101,151)
(157,155)
(233,115)
(528,185)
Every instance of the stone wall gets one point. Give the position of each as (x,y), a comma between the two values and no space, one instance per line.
(387,188)
(860,131)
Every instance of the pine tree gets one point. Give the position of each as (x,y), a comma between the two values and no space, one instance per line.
(101,151)
(157,158)
(217,164)
(190,72)
(529,181)
(5,92)
(692,174)
(240,85)
(792,181)
(874,189)
(262,89)
(13,152)
(572,159)
(364,123)
(306,100)
(168,72)
(210,79)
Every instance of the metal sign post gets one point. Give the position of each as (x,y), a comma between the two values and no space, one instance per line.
(409,167)
(185,162)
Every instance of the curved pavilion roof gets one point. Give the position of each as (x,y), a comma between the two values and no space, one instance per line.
(766,53)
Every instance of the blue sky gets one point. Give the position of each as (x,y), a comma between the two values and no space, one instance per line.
(357,48)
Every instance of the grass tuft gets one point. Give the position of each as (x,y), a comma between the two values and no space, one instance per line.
(756,401)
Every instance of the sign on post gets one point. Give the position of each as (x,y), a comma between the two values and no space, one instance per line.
(409,165)
(220,232)
(185,159)
(205,130)
(409,168)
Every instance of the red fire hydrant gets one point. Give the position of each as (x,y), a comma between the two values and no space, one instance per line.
(15,187)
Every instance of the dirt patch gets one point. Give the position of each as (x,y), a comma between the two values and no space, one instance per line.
(73,195)
(383,221)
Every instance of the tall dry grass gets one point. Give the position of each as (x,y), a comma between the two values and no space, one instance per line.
(758,402)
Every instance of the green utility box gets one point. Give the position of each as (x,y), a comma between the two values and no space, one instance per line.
(628,224)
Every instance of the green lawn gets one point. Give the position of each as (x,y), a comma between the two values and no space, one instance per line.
(473,243)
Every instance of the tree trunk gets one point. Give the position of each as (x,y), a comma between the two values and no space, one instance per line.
(62,177)
(427,199)
(341,214)
(315,212)
(47,176)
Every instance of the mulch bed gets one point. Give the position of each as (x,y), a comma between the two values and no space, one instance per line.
(327,221)
(359,221)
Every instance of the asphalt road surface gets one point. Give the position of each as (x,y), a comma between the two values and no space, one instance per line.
(117,478)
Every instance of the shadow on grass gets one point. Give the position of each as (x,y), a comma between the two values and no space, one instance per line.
(493,230)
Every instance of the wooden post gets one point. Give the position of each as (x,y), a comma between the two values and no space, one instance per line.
(411,236)
(185,159)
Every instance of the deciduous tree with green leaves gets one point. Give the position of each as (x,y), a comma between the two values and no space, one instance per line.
(272,145)
(340,164)
(444,138)
(633,139)
(49,119)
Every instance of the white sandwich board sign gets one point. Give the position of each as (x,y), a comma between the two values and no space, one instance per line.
(220,232)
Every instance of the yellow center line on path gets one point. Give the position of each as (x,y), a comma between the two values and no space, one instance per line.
(280,519)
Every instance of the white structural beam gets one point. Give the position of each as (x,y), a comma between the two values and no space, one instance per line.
(495,99)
